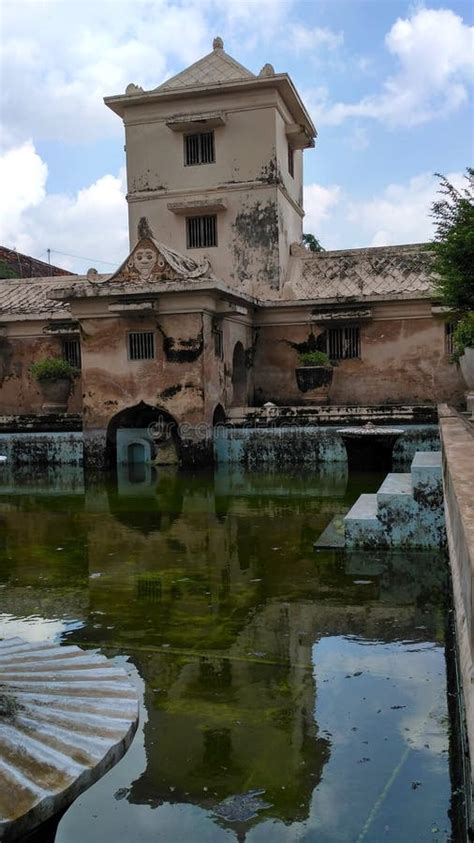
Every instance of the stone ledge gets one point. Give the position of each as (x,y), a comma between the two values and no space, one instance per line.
(32,423)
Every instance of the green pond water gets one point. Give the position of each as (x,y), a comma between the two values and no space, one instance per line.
(317,679)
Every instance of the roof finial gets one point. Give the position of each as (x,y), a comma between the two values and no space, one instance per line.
(218,43)
(144,231)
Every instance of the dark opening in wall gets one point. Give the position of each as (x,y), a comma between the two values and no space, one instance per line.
(201,232)
(343,343)
(291,161)
(141,345)
(72,352)
(199,149)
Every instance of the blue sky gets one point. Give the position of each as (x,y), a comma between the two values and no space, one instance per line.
(388,84)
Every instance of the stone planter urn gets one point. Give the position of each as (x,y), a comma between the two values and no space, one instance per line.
(55,394)
(315,382)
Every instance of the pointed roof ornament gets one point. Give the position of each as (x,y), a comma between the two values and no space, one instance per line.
(218,43)
(151,261)
(144,229)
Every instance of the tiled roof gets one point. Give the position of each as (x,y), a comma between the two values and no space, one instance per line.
(387,271)
(33,296)
(24,266)
(212,69)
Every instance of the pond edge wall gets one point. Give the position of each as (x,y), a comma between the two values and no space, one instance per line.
(457,442)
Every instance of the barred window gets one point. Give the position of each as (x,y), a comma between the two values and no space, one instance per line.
(343,343)
(291,161)
(449,329)
(72,352)
(199,149)
(201,232)
(141,345)
(218,344)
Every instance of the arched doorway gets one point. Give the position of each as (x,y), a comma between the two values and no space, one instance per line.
(239,377)
(219,417)
(139,435)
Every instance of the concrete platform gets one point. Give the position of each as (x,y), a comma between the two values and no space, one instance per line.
(66,717)
(393,486)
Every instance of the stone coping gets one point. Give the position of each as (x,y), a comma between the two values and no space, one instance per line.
(457,438)
(66,717)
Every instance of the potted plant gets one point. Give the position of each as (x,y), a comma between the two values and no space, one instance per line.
(453,248)
(463,341)
(54,376)
(314,375)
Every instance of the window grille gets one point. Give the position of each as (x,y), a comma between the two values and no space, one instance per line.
(291,161)
(148,589)
(199,149)
(218,344)
(343,343)
(449,329)
(141,345)
(201,232)
(72,352)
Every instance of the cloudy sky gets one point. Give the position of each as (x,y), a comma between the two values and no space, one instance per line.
(387,82)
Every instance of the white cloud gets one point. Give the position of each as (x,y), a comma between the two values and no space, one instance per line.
(92,223)
(435,55)
(399,214)
(318,203)
(61,59)
(358,139)
(23,178)
(312,38)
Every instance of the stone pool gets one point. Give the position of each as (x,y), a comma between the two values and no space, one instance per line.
(287,694)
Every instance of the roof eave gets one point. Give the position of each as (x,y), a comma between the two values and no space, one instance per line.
(282,81)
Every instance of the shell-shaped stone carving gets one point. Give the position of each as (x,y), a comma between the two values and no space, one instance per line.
(66,717)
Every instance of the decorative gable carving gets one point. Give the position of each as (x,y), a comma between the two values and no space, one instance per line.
(152,262)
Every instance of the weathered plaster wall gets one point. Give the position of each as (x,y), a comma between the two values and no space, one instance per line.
(457,437)
(19,392)
(171,381)
(403,359)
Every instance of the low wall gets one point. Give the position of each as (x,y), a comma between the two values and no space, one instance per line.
(308,445)
(38,449)
(457,440)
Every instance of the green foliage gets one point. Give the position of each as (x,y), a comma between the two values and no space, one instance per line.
(314,358)
(312,243)
(463,335)
(454,243)
(6,271)
(53,369)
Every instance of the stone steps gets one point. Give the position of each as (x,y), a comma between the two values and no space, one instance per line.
(407,510)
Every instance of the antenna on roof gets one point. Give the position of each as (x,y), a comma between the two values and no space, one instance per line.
(49,259)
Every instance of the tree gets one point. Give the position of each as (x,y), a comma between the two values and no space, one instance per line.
(453,248)
(312,243)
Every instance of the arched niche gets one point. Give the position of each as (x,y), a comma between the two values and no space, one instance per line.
(239,376)
(137,435)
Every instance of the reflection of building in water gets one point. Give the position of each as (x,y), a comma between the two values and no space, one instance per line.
(36,551)
(198,584)
(237,722)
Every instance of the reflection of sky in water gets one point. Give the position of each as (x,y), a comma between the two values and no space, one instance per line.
(382,708)
(35,628)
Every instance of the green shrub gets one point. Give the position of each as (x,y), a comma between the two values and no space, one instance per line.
(314,358)
(53,369)
(463,336)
